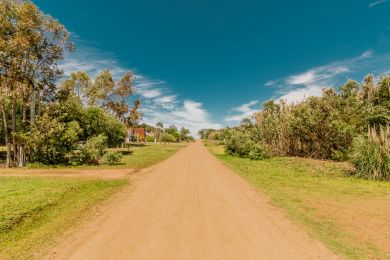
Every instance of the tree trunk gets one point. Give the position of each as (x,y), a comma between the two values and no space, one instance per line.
(6,137)
(14,150)
(38,98)
(22,151)
(22,156)
(33,106)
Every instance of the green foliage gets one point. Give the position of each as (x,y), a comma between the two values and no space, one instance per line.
(173,131)
(51,140)
(89,152)
(240,144)
(204,133)
(216,135)
(149,139)
(168,138)
(321,127)
(371,155)
(113,158)
(96,121)
(66,130)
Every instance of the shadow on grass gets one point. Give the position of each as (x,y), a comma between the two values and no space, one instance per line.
(126,152)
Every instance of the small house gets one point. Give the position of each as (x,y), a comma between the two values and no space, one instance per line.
(136,135)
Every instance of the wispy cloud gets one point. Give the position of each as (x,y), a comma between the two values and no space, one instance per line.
(91,60)
(295,88)
(158,101)
(377,3)
(246,110)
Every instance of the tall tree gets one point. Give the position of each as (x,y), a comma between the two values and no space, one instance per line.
(135,115)
(98,93)
(123,89)
(31,45)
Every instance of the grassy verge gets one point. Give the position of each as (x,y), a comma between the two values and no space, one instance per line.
(350,215)
(133,158)
(144,156)
(35,211)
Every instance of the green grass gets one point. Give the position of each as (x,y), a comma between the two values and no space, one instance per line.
(348,214)
(133,158)
(34,211)
(148,155)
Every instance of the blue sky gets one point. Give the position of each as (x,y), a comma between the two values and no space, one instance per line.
(209,63)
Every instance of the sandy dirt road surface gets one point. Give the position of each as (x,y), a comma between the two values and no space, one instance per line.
(190,206)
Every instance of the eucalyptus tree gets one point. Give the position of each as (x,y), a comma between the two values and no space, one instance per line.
(31,45)
(99,92)
(135,115)
(118,103)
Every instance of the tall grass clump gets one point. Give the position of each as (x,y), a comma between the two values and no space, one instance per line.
(371,154)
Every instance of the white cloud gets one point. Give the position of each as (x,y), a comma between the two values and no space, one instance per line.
(296,88)
(246,110)
(301,94)
(189,114)
(377,3)
(158,102)
(92,61)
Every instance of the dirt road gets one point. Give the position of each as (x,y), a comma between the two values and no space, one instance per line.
(190,207)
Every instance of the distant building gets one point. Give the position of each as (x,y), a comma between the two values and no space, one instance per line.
(136,135)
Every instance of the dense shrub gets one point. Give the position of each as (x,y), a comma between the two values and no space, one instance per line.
(96,121)
(259,152)
(113,158)
(240,144)
(65,129)
(168,138)
(51,139)
(216,135)
(371,155)
(89,152)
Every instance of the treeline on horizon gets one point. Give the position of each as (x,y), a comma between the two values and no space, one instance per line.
(49,119)
(348,123)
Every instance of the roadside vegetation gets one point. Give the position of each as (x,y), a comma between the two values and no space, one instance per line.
(50,118)
(350,215)
(137,157)
(350,123)
(325,161)
(35,211)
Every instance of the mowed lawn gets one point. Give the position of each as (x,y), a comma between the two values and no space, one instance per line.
(35,211)
(144,156)
(351,216)
(135,157)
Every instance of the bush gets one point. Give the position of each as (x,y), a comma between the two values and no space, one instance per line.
(150,139)
(95,121)
(168,138)
(89,152)
(216,135)
(371,156)
(113,158)
(239,144)
(259,152)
